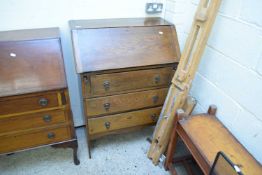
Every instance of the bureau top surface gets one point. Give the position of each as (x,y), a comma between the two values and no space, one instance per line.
(107,44)
(117,22)
(30,61)
(29,34)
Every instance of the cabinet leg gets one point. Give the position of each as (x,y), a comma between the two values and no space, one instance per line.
(71,144)
(89,149)
(75,148)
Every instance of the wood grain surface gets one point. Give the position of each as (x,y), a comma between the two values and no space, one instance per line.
(33,120)
(31,66)
(124,47)
(210,136)
(25,140)
(106,84)
(117,22)
(123,120)
(17,104)
(125,102)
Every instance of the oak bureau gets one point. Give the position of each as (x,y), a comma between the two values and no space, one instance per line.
(34,101)
(126,66)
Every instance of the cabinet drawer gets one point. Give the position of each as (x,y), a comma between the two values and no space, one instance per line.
(125,102)
(30,121)
(123,120)
(105,84)
(28,102)
(12,143)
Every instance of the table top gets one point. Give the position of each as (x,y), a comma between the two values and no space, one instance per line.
(117,22)
(210,136)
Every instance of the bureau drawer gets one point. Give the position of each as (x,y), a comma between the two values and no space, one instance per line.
(125,102)
(28,102)
(30,121)
(105,84)
(12,143)
(123,120)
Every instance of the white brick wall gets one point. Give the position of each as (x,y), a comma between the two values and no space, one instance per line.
(230,73)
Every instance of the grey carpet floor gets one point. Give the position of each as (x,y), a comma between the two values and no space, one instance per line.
(123,154)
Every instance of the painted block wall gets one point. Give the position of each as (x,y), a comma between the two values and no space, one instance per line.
(230,73)
(26,14)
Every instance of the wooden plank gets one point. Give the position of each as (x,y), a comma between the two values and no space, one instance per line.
(189,105)
(184,75)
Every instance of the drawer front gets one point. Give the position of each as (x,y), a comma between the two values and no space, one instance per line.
(23,141)
(27,103)
(123,120)
(105,84)
(30,121)
(125,102)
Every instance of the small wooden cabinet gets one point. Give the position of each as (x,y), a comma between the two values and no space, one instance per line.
(126,66)
(34,102)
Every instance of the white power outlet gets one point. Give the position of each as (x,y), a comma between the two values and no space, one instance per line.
(152,8)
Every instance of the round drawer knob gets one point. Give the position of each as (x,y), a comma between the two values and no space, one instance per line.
(154,117)
(106,85)
(157,79)
(47,118)
(155,99)
(107,106)
(107,125)
(43,102)
(51,135)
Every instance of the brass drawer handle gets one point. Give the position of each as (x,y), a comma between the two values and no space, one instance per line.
(154,117)
(43,102)
(107,85)
(107,106)
(157,79)
(155,99)
(51,135)
(107,125)
(47,118)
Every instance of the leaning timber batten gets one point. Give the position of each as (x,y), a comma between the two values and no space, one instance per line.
(182,80)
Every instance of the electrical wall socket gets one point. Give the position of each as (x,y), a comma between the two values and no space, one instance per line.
(152,8)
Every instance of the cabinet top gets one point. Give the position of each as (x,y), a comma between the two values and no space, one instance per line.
(123,43)
(29,34)
(117,22)
(31,61)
